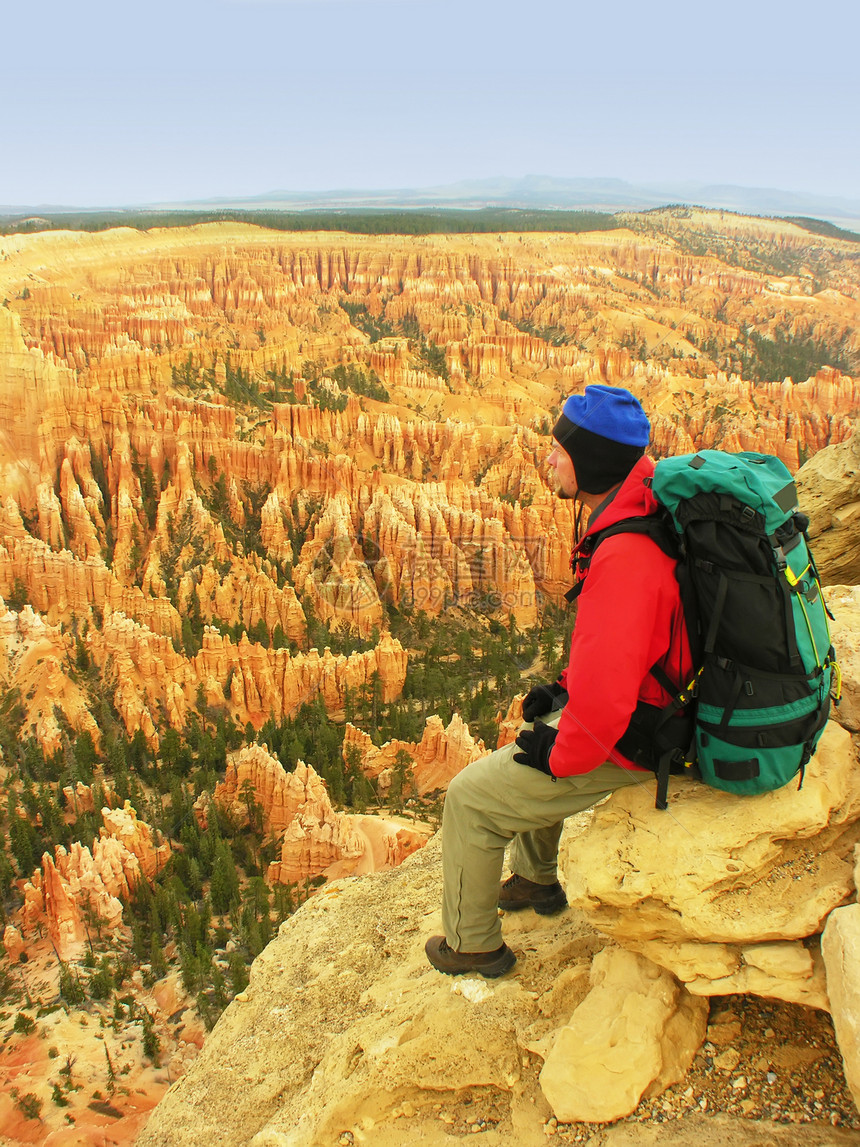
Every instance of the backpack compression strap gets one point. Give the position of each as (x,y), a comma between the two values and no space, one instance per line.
(673,758)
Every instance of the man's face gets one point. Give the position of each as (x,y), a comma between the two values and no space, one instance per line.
(565,476)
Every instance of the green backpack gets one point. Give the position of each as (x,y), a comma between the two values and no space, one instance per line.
(757,623)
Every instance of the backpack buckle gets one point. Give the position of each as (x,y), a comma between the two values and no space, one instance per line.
(692,689)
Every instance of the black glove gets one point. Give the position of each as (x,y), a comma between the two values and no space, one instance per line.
(542,699)
(536,745)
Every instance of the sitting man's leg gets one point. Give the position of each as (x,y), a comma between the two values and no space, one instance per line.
(489,803)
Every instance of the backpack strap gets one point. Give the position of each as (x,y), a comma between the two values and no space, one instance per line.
(672,761)
(654,526)
(574,592)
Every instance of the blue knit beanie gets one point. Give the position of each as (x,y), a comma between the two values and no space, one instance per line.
(605,432)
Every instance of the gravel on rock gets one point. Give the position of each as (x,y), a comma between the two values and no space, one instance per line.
(762,1060)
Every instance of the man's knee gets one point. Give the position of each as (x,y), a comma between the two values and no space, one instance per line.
(465,782)
(470,786)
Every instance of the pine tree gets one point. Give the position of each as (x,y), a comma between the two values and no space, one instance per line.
(219,988)
(238,972)
(85,757)
(149,495)
(138,940)
(7,875)
(254,938)
(206,1011)
(137,755)
(195,881)
(71,988)
(156,957)
(284,900)
(401,780)
(224,887)
(189,970)
(151,1042)
(24,844)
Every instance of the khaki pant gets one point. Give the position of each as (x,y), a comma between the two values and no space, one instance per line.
(491,802)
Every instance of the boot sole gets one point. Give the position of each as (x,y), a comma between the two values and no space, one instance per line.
(542,907)
(490,971)
(495,970)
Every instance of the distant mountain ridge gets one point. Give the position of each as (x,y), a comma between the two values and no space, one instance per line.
(533,191)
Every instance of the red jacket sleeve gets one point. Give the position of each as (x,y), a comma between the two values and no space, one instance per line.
(627,612)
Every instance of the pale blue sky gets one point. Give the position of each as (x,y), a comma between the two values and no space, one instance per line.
(119,103)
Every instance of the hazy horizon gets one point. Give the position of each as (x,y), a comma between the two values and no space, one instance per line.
(530,192)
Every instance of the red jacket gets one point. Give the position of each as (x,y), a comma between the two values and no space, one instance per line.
(629,618)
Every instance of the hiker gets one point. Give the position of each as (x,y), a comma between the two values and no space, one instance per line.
(567,755)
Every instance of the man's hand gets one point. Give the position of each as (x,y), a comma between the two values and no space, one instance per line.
(542,699)
(536,745)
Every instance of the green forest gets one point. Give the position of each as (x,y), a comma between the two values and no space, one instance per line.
(365,221)
(445,221)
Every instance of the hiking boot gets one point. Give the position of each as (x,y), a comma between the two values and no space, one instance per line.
(517,893)
(489,964)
